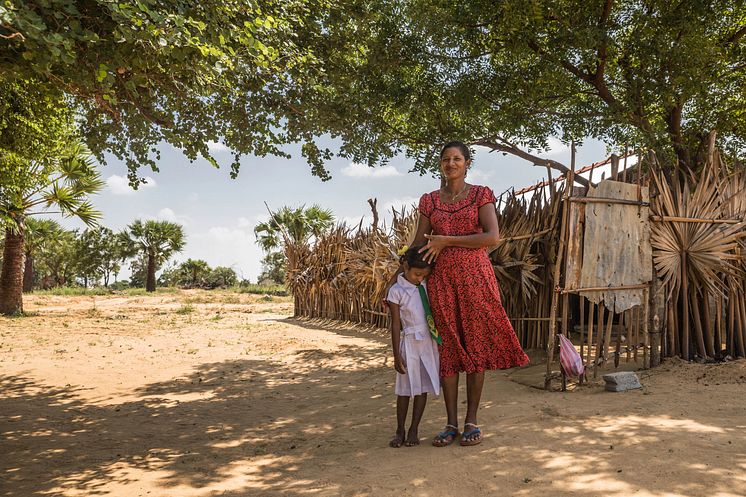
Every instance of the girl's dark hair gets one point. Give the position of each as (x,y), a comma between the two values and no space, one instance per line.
(465,151)
(413,258)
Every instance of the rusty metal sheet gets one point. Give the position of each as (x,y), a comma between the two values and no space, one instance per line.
(616,246)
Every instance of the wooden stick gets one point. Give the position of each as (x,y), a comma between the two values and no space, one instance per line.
(628,329)
(741,328)
(718,326)
(607,335)
(582,323)
(557,269)
(698,332)
(599,339)
(731,320)
(591,308)
(599,200)
(676,219)
(617,349)
(526,237)
(706,318)
(645,334)
(671,325)
(685,296)
(606,288)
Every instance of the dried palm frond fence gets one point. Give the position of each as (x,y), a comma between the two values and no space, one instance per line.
(694,308)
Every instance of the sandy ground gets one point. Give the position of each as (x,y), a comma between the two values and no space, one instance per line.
(200,394)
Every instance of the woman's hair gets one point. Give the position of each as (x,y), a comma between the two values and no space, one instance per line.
(413,258)
(459,145)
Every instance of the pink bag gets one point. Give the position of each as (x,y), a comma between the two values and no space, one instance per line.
(571,361)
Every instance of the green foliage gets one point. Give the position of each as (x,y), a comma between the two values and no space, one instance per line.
(100,253)
(273,268)
(161,239)
(409,75)
(143,72)
(57,262)
(296,225)
(198,274)
(276,290)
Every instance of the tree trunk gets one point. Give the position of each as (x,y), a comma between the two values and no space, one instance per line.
(11,278)
(150,281)
(28,274)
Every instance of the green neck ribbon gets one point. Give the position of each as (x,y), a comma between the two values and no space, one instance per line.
(429,315)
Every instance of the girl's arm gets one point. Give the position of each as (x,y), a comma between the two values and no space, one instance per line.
(395,337)
(489,237)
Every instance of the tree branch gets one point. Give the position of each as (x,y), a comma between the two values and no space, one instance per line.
(509,148)
(736,36)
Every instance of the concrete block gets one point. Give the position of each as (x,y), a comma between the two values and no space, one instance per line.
(621,381)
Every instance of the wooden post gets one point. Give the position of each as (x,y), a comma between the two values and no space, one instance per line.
(591,308)
(645,318)
(581,304)
(599,340)
(558,269)
(614,167)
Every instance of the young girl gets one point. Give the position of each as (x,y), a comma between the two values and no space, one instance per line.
(414,344)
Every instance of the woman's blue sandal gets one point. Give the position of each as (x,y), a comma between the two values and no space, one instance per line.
(446,437)
(471,437)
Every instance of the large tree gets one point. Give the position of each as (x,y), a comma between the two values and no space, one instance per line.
(408,75)
(155,242)
(59,184)
(144,72)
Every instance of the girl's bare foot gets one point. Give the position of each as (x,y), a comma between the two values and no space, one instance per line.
(412,438)
(398,439)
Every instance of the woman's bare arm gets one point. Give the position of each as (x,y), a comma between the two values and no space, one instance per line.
(489,237)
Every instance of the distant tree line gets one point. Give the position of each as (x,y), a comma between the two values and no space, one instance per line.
(55,257)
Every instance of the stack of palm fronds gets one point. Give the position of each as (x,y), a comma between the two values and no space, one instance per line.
(698,251)
(524,258)
(343,275)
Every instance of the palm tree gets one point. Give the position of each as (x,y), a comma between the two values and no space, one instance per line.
(60,183)
(38,233)
(295,225)
(193,272)
(156,241)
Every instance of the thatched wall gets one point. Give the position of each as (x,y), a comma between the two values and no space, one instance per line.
(700,290)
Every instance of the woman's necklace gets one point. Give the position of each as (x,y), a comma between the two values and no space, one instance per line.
(456,195)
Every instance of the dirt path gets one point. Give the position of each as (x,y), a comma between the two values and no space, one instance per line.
(202,394)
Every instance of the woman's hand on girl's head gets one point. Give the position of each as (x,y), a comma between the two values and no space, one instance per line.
(435,245)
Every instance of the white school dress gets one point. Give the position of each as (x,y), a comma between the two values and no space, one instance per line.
(418,350)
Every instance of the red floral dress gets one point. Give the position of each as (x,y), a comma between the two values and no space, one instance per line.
(464,294)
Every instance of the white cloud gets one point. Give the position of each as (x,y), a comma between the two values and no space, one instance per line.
(168,214)
(216,147)
(244,223)
(557,148)
(399,203)
(355,170)
(119,185)
(237,248)
(479,176)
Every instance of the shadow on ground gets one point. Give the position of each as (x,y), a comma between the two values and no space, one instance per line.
(318,424)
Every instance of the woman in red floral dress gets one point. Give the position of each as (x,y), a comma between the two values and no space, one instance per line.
(458,222)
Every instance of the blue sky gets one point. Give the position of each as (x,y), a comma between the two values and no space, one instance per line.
(219,213)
